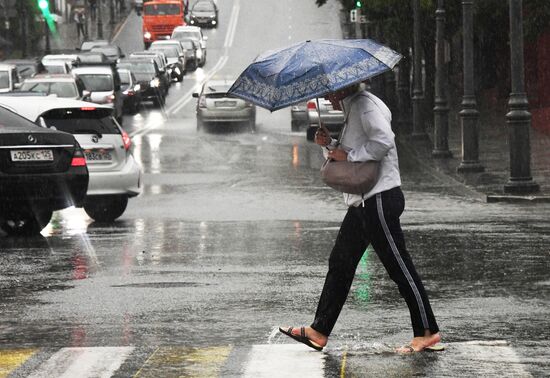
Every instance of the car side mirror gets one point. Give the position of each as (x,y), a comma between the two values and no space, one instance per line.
(195,95)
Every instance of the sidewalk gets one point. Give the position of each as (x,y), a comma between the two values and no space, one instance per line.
(67,35)
(494,155)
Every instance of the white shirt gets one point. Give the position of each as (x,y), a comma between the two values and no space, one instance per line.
(368,136)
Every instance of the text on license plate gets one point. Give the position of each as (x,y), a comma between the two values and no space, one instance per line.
(225,103)
(31,155)
(98,156)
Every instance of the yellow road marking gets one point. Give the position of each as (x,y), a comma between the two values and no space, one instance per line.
(184,362)
(343,367)
(12,359)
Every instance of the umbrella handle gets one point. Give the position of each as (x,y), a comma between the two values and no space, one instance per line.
(321,126)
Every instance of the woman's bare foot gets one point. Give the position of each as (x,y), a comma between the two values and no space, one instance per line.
(313,335)
(420,343)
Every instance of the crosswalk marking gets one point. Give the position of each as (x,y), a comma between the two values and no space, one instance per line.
(98,362)
(284,360)
(184,362)
(11,359)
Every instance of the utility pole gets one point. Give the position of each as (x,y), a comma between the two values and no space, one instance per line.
(518,117)
(469,115)
(441,108)
(99,20)
(419,131)
(112,12)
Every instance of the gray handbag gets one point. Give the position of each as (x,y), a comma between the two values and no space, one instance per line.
(350,177)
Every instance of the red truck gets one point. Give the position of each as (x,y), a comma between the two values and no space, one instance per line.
(160,17)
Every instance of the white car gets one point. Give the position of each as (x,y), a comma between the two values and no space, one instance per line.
(115,176)
(194,33)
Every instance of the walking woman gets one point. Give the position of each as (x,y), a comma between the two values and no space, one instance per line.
(372,218)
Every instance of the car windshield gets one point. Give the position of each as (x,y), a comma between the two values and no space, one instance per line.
(82,121)
(161,9)
(4,79)
(183,34)
(148,68)
(97,82)
(67,90)
(26,71)
(10,119)
(169,51)
(124,77)
(55,69)
(203,6)
(189,45)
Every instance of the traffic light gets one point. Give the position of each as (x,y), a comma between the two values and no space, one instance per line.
(44,6)
(358,4)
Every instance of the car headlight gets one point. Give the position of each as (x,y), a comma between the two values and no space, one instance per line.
(155,83)
(177,71)
(147,35)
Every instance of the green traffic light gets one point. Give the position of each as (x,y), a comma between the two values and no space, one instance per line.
(358,4)
(43,4)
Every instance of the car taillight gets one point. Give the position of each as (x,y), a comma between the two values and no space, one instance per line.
(202,102)
(126,140)
(78,159)
(311,105)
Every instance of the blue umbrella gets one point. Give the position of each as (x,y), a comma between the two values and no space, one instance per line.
(310,69)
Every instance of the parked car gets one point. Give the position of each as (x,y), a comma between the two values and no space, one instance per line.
(175,55)
(41,171)
(216,107)
(204,13)
(298,116)
(112,52)
(103,83)
(88,45)
(182,33)
(191,48)
(26,67)
(332,119)
(162,63)
(131,91)
(148,75)
(62,85)
(114,175)
(9,78)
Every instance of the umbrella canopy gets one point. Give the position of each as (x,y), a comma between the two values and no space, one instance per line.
(310,69)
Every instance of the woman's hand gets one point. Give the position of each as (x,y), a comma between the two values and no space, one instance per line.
(322,138)
(338,154)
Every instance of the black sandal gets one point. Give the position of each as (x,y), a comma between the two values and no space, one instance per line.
(302,338)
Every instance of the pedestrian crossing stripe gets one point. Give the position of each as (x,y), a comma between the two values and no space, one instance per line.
(11,359)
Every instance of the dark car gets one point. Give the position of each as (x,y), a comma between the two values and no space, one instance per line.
(191,48)
(162,63)
(26,67)
(148,76)
(131,90)
(204,13)
(41,171)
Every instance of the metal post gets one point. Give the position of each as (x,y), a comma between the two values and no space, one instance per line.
(518,117)
(419,131)
(358,31)
(469,114)
(99,20)
(47,49)
(403,94)
(441,108)
(112,12)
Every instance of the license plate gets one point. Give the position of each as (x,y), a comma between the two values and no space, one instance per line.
(31,155)
(225,103)
(98,156)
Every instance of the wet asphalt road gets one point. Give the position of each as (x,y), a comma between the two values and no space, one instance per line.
(230,239)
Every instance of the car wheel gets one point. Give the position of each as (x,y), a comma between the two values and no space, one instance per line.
(180,77)
(106,208)
(25,223)
(310,134)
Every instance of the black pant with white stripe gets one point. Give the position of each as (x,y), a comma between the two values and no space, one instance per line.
(376,223)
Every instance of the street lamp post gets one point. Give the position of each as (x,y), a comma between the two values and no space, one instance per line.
(112,12)
(518,117)
(441,108)
(469,115)
(47,49)
(419,131)
(99,20)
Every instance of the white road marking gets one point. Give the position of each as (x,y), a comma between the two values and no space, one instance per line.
(284,360)
(98,362)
